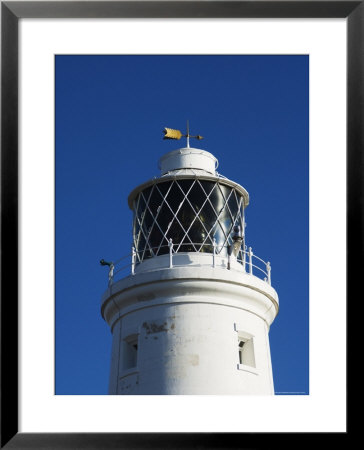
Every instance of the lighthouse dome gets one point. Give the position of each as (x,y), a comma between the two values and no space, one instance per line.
(188,158)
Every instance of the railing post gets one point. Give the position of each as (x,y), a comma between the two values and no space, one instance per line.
(170,245)
(214,252)
(133,258)
(229,256)
(111,274)
(268,273)
(250,261)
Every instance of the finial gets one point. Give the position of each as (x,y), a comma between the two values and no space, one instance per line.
(170,133)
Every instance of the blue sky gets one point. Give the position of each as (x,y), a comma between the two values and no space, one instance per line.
(253,112)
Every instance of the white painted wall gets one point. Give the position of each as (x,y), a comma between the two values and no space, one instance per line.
(188,158)
(188,322)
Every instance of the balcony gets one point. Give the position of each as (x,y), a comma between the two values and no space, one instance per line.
(219,257)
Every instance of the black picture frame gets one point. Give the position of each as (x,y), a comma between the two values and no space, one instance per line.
(11,12)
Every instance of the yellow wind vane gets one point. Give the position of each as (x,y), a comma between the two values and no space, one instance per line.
(170,133)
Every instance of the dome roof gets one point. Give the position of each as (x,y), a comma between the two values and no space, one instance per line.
(188,158)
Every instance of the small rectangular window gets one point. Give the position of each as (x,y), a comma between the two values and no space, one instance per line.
(130,354)
(246,352)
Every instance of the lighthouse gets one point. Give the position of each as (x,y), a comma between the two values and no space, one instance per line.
(190,307)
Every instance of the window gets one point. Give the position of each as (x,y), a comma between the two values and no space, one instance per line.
(130,353)
(246,351)
(190,212)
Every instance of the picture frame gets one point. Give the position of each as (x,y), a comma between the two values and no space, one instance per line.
(11,12)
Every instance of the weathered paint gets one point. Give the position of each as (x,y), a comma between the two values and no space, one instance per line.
(188,332)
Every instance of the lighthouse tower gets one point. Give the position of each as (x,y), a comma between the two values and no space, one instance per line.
(193,313)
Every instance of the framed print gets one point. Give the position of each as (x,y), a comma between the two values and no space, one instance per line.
(53,55)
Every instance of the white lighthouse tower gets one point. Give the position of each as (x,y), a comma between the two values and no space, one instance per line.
(193,314)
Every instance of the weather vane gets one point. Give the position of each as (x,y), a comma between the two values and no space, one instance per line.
(170,133)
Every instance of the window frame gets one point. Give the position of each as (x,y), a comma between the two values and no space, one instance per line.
(247,339)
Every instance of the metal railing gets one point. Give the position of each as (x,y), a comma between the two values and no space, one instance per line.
(246,258)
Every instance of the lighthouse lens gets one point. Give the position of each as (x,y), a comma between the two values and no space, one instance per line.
(191,212)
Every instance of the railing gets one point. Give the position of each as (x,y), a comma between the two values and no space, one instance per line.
(246,258)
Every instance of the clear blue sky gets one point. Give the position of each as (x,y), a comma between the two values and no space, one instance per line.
(110,113)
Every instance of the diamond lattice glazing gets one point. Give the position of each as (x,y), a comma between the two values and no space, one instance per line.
(191,212)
